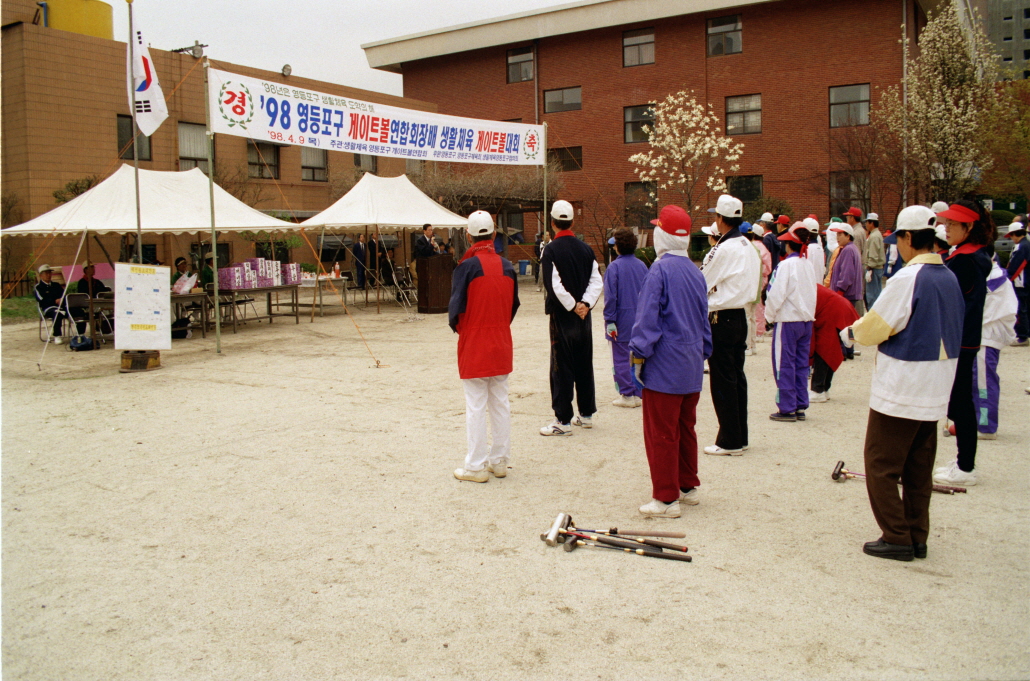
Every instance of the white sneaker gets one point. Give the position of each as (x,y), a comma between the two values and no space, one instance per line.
(749,353)
(583,421)
(955,476)
(814,397)
(944,470)
(58,340)
(690,498)
(660,509)
(716,450)
(858,353)
(986,436)
(471,476)
(628,401)
(499,469)
(945,430)
(557,428)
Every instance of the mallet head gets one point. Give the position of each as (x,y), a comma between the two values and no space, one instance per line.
(561,522)
(836,474)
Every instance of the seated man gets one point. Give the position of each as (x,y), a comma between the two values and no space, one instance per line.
(182,269)
(207,275)
(88,284)
(50,297)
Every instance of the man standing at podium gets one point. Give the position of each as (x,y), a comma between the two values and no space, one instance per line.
(425,246)
(573,284)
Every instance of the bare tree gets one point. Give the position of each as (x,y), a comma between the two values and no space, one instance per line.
(236,180)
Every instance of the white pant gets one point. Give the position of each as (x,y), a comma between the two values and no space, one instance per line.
(481,395)
(749,312)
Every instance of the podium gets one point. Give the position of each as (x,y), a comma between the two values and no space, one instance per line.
(434,283)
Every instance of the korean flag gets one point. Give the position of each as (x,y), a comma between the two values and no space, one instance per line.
(142,81)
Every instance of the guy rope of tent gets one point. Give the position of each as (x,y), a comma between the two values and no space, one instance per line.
(61,306)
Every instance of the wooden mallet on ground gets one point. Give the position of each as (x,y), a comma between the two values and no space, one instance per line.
(841,474)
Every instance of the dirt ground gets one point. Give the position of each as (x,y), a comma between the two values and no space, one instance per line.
(286,511)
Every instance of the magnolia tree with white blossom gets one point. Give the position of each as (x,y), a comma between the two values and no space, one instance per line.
(689,155)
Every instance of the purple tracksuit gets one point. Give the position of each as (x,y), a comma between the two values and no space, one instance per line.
(791,344)
(986,389)
(847,275)
(623,281)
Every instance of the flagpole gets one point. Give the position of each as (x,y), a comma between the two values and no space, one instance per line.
(135,137)
(211,194)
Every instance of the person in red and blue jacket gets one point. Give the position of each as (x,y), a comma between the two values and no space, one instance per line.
(484,300)
(1019,277)
(622,283)
(670,342)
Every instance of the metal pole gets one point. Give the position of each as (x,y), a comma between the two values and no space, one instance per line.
(135,138)
(546,163)
(211,194)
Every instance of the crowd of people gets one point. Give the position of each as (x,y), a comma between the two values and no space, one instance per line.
(929,295)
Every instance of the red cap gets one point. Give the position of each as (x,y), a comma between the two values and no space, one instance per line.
(789,236)
(674,220)
(958,213)
(783,220)
(853,211)
(814,216)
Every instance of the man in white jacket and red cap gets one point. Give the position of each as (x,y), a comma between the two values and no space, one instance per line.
(670,341)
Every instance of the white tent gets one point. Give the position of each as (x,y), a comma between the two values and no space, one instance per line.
(170,203)
(385,202)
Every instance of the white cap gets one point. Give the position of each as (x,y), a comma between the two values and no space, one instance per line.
(872,216)
(728,206)
(711,230)
(843,227)
(941,232)
(915,218)
(561,210)
(939,207)
(766,217)
(1015,227)
(44,268)
(480,223)
(757,229)
(811,224)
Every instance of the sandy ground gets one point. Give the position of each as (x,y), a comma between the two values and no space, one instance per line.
(285,511)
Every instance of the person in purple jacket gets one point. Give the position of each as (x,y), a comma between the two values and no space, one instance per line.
(622,283)
(671,341)
(847,277)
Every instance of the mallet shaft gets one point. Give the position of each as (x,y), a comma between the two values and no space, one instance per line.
(628,537)
(944,489)
(639,552)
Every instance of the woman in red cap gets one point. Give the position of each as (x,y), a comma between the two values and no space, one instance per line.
(969,229)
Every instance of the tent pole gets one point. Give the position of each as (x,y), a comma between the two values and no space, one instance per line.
(379,265)
(211,194)
(135,144)
(543,213)
(92,327)
(367,248)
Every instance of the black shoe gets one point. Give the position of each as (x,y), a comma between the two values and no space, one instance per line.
(882,549)
(800,415)
(919,550)
(780,416)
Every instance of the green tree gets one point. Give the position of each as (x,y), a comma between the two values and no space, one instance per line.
(75,188)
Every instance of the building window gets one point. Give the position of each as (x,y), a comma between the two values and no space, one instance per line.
(262,160)
(636,117)
(1026,55)
(192,147)
(1007,59)
(847,189)
(1006,18)
(1026,13)
(366,163)
(512,120)
(567,158)
(744,115)
(313,164)
(568,99)
(125,128)
(414,166)
(520,64)
(849,105)
(1007,39)
(640,208)
(1026,34)
(747,188)
(724,35)
(638,47)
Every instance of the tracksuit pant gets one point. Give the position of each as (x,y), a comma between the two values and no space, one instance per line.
(487,397)
(822,375)
(900,449)
(1023,313)
(873,287)
(962,412)
(726,376)
(986,389)
(790,347)
(623,370)
(670,442)
(572,365)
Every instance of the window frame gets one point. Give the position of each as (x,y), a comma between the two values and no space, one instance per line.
(197,161)
(565,107)
(738,29)
(262,163)
(855,197)
(566,158)
(145,148)
(832,104)
(740,195)
(314,175)
(639,122)
(509,63)
(361,165)
(640,32)
(743,114)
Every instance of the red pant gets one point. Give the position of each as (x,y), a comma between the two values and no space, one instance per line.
(671,442)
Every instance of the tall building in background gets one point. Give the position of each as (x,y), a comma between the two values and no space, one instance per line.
(1008,27)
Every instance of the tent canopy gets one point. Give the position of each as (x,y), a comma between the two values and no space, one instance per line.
(170,203)
(386,202)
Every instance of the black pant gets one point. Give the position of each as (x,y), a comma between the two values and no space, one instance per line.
(57,318)
(962,411)
(1023,315)
(726,374)
(572,365)
(822,375)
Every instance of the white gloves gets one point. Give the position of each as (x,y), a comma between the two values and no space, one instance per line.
(847,338)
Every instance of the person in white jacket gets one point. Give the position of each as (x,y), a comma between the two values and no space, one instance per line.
(1000,309)
(790,304)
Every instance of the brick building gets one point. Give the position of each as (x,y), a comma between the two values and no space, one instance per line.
(65,116)
(784,76)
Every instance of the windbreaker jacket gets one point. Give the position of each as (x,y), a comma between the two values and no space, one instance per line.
(671,331)
(1017,263)
(570,274)
(622,283)
(791,295)
(1000,308)
(484,299)
(970,265)
(916,322)
(733,272)
(833,312)
(847,275)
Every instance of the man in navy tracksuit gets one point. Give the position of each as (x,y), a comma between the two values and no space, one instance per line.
(1017,275)
(573,284)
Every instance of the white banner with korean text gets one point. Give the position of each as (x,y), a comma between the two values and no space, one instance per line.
(272,112)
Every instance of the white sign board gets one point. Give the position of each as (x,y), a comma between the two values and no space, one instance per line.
(142,307)
(267,111)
